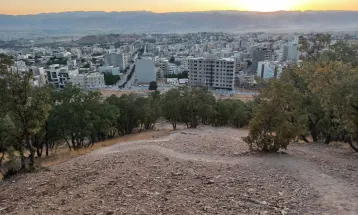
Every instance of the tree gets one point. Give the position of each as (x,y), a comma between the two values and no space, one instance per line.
(171,106)
(7,135)
(110,79)
(153,85)
(172,59)
(127,118)
(29,105)
(278,118)
(80,117)
(196,106)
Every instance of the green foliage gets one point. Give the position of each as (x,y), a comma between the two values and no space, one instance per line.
(231,112)
(29,106)
(278,119)
(170,104)
(172,59)
(196,105)
(317,97)
(184,74)
(55,60)
(153,85)
(81,118)
(86,66)
(110,79)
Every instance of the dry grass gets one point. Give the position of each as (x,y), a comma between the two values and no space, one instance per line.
(63,154)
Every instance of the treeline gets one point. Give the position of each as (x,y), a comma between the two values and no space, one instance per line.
(183,75)
(316,100)
(110,79)
(34,120)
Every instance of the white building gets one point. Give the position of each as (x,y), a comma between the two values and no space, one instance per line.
(145,71)
(269,69)
(173,81)
(110,69)
(89,80)
(39,78)
(216,73)
(173,69)
(116,60)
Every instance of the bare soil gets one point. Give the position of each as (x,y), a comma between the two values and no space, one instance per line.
(202,171)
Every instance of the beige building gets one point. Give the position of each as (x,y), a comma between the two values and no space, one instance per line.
(215,73)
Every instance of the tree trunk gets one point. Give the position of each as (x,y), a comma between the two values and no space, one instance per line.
(174,123)
(23,161)
(47,146)
(2,157)
(46,138)
(30,147)
(39,151)
(304,139)
(328,139)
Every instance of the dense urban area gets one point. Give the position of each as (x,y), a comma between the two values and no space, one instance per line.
(196,123)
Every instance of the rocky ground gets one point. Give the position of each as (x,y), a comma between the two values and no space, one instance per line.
(202,171)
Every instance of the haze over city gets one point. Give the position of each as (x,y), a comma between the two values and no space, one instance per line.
(22,7)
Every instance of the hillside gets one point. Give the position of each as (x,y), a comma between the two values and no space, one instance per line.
(192,171)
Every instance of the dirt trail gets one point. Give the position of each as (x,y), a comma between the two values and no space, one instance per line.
(192,171)
(337,196)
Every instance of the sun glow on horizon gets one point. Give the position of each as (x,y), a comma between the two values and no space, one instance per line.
(269,5)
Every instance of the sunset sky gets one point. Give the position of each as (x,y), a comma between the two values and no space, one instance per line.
(46,6)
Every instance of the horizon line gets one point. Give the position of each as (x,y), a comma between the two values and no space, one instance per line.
(79,11)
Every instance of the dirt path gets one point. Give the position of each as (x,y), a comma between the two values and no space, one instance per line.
(192,171)
(336,196)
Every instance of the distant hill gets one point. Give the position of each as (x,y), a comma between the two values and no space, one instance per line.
(67,23)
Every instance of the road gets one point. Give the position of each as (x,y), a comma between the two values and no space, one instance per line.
(124,78)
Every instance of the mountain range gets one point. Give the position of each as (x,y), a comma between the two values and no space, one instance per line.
(67,23)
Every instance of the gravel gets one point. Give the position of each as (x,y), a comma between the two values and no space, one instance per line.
(202,171)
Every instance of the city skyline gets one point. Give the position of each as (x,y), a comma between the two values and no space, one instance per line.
(162,6)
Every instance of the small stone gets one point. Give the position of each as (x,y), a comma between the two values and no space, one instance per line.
(280,193)
(211,181)
(264,212)
(264,203)
(110,212)
(283,212)
(251,190)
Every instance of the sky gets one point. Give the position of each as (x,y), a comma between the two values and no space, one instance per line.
(17,7)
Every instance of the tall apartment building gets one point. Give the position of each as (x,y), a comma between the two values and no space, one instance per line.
(163,65)
(259,54)
(145,71)
(116,60)
(290,52)
(215,73)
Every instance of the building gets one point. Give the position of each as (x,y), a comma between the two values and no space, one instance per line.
(39,78)
(269,69)
(110,69)
(259,54)
(173,81)
(116,60)
(89,80)
(163,65)
(145,71)
(215,73)
(290,53)
(57,76)
(352,42)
